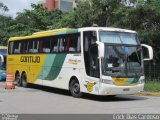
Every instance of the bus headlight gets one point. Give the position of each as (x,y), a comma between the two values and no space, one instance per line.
(107,81)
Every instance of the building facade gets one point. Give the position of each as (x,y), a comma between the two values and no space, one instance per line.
(64,5)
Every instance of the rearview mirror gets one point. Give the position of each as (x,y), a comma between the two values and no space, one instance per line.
(150,51)
(100,49)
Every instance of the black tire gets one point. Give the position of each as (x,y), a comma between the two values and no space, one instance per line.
(112,96)
(75,89)
(24,80)
(18,79)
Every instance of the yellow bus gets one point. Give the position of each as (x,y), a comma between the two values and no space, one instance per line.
(95,60)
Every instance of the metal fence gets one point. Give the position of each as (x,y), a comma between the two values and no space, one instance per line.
(152,71)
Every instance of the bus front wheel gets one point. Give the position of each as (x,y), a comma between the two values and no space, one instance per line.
(24,80)
(75,89)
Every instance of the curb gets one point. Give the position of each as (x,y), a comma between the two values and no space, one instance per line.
(156,94)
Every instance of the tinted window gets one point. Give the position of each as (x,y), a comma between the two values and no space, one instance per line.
(118,37)
(24,47)
(56,44)
(16,47)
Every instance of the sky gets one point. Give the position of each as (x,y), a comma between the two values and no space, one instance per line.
(17,5)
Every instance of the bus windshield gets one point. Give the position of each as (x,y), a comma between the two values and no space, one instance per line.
(123,55)
(118,37)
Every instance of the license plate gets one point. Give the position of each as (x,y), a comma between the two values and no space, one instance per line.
(126,89)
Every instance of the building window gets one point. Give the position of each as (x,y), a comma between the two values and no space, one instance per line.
(66,5)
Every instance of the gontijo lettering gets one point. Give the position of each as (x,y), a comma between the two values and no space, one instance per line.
(30,59)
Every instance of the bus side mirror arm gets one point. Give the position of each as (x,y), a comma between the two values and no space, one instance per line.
(100,49)
(150,51)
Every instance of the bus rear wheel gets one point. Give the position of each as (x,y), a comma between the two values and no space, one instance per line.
(75,89)
(24,80)
(17,79)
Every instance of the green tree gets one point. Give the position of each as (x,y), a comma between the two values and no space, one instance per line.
(145,19)
(4,22)
(36,19)
(87,13)
(3,8)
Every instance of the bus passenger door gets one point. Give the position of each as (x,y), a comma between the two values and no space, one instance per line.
(91,62)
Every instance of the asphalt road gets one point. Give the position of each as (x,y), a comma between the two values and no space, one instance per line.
(44,100)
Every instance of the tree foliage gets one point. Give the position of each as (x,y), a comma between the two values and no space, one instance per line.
(3,7)
(27,22)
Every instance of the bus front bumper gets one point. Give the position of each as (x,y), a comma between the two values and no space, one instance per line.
(108,89)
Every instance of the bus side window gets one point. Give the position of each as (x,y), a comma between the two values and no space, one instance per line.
(63,43)
(30,46)
(24,47)
(40,50)
(54,45)
(10,51)
(35,46)
(16,47)
(79,44)
(75,45)
(46,45)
